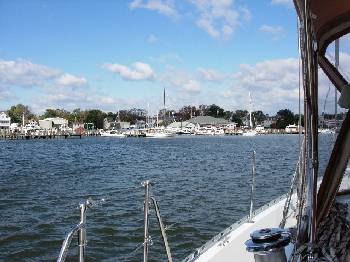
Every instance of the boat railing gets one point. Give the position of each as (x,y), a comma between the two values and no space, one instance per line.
(252,190)
(80,228)
(147,238)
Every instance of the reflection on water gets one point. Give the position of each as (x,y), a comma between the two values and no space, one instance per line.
(201,184)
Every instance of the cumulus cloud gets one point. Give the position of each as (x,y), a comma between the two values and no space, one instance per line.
(164,7)
(83,98)
(181,80)
(220,18)
(24,73)
(273,83)
(140,71)
(210,75)
(71,80)
(276,32)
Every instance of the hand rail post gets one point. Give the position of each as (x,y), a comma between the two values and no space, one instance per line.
(82,232)
(146,184)
(252,190)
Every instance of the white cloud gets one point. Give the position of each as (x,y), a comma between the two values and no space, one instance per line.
(24,73)
(273,83)
(210,75)
(71,80)
(192,86)
(152,39)
(140,71)
(181,80)
(220,18)
(164,7)
(82,98)
(287,3)
(276,32)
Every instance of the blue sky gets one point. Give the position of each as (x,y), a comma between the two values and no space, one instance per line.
(120,54)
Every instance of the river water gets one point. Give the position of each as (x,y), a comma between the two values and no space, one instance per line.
(201,184)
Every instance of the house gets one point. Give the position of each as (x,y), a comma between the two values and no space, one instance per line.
(53,123)
(5,121)
(110,124)
(208,121)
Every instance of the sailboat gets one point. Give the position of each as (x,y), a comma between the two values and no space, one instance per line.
(250,131)
(159,132)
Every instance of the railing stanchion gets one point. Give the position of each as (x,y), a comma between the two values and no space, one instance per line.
(82,233)
(252,191)
(146,184)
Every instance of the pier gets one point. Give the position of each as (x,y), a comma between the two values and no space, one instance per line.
(29,137)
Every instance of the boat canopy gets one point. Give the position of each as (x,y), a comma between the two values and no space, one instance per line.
(330,21)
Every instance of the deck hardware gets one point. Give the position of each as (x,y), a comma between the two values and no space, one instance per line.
(268,244)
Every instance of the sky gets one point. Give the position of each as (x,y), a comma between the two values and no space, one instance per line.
(116,54)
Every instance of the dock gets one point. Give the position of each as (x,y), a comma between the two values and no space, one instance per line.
(29,137)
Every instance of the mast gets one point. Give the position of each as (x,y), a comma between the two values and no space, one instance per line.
(250,112)
(335,89)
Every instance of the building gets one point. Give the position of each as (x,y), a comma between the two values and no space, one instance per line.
(53,122)
(208,121)
(110,124)
(5,121)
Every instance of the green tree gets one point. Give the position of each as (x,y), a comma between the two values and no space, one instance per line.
(16,112)
(215,111)
(285,117)
(96,117)
(258,117)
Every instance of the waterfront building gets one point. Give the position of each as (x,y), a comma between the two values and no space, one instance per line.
(110,124)
(5,121)
(208,121)
(53,123)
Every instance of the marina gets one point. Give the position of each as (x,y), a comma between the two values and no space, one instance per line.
(241,155)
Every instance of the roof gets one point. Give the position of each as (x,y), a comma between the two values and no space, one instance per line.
(178,124)
(208,120)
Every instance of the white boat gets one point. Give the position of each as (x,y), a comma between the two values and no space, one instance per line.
(249,133)
(111,133)
(158,133)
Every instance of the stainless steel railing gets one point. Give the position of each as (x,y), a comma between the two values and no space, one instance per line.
(79,228)
(252,189)
(147,239)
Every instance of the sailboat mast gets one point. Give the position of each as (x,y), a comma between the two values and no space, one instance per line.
(335,89)
(250,111)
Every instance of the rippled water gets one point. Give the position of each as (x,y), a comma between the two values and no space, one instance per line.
(201,184)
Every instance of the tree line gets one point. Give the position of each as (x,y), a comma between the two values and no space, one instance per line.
(283,117)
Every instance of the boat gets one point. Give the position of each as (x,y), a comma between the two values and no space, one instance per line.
(112,133)
(158,133)
(311,221)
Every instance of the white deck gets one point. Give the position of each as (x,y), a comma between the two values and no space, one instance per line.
(230,243)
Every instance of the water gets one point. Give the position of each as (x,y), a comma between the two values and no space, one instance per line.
(201,183)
